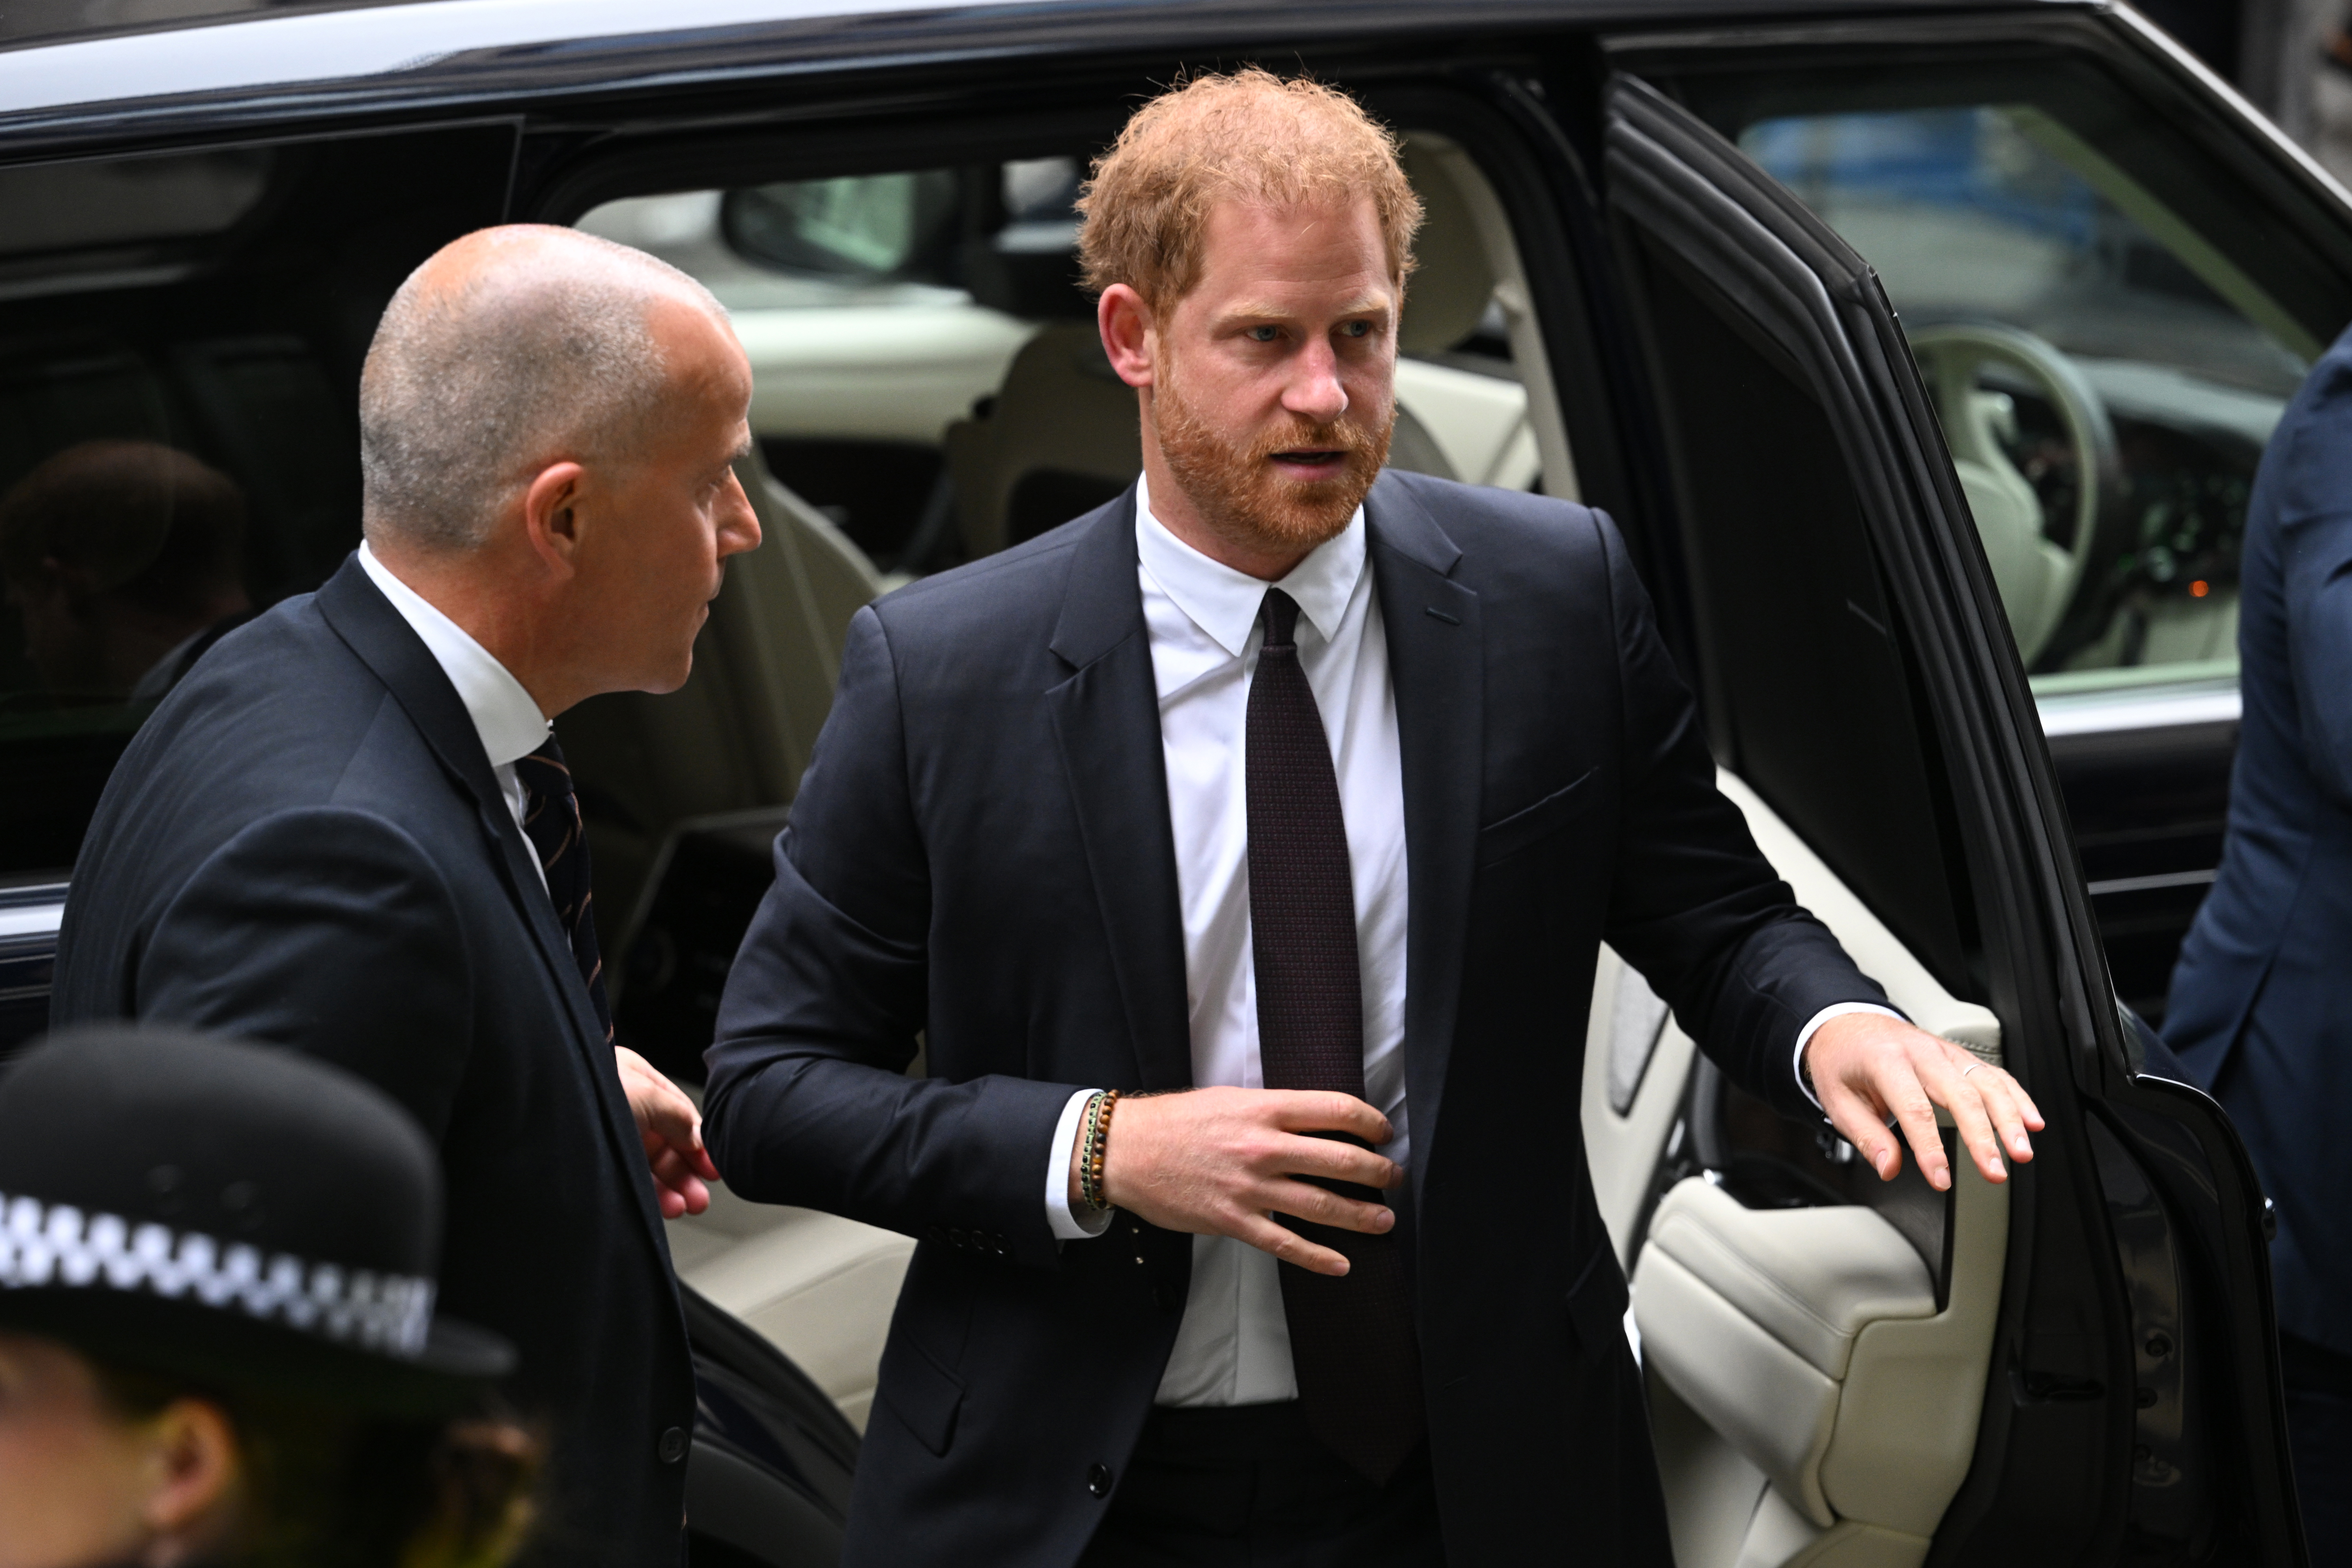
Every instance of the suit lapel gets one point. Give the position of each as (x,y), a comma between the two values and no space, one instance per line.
(366,620)
(1107,719)
(1436,667)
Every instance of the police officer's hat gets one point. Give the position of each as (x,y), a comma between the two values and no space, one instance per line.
(243,1217)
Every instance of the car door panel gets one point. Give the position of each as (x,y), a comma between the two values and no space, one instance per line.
(1819,1345)
(1769,297)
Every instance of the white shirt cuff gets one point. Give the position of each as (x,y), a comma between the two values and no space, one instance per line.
(1805,1038)
(1065,1224)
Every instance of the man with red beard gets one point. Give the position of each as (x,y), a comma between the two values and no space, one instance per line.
(1240,852)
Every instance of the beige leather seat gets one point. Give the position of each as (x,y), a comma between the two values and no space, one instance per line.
(737,735)
(1062,418)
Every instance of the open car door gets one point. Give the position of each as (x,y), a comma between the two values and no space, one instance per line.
(2077,1365)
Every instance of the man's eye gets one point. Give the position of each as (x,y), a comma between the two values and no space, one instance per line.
(1357,329)
(1264,334)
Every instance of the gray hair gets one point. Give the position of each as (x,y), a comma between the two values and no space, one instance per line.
(543,351)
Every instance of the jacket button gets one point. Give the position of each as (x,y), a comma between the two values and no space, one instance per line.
(1098,1478)
(672,1447)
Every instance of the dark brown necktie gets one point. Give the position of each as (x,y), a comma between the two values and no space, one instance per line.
(1351,1339)
(551,820)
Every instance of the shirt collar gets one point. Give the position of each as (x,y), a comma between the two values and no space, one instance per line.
(1225,603)
(504,715)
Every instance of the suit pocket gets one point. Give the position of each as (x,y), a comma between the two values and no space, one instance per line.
(923,1396)
(1596,1304)
(1524,829)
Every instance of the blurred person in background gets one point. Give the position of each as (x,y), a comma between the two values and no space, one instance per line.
(2261,1010)
(216,1336)
(125,560)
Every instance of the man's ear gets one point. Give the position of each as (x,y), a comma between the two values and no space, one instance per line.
(1127,326)
(196,1472)
(552,507)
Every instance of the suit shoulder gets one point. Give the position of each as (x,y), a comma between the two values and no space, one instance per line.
(1512,529)
(270,717)
(1010,598)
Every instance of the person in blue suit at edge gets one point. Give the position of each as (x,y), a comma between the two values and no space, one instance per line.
(2260,1010)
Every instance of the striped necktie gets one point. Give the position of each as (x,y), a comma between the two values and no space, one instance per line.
(1351,1339)
(551,820)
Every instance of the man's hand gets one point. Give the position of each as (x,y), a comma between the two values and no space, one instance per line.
(1220,1162)
(1867,1068)
(672,1131)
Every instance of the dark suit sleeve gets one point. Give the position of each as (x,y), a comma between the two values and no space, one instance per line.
(1696,907)
(2318,552)
(2308,473)
(331,930)
(808,1102)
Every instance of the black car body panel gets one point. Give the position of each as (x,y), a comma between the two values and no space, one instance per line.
(445,56)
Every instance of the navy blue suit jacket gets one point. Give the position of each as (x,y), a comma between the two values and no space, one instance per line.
(981,852)
(304,846)
(2261,1009)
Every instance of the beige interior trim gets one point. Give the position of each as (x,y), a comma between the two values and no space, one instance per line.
(1623,1150)
(820,1288)
(1801,1380)
(1814,1278)
(1768,1401)
(1914,992)
(1511,291)
(1712,1490)
(1915,1389)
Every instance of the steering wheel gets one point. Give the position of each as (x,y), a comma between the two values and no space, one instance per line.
(2038,537)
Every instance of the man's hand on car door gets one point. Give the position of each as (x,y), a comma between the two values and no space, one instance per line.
(1868,1069)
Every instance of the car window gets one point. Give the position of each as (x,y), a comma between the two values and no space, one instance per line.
(2107,375)
(180,342)
(927,374)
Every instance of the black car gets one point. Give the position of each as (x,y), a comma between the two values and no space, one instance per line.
(1956,588)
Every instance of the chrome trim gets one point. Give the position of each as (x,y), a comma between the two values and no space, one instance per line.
(2152,883)
(2146,708)
(31,920)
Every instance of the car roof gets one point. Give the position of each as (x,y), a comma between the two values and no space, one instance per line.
(228,61)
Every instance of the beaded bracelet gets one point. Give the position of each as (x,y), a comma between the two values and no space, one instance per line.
(1094,1143)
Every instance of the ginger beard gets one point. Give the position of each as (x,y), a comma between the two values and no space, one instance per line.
(1242,490)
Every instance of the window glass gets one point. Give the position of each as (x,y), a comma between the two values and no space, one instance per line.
(1779,533)
(864,227)
(2106,377)
(179,343)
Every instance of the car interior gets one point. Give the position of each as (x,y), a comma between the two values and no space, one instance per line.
(2105,358)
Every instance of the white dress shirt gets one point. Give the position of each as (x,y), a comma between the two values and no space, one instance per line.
(1233,1346)
(505,716)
